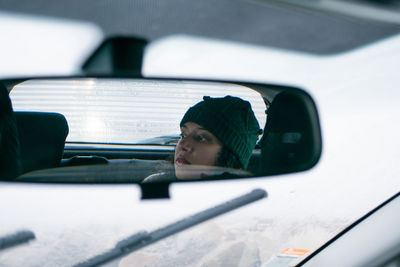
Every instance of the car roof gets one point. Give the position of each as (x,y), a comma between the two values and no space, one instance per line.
(318,30)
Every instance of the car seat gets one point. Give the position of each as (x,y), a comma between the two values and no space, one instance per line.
(10,164)
(42,139)
(291,141)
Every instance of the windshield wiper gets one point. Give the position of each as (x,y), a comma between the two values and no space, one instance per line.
(144,238)
(16,239)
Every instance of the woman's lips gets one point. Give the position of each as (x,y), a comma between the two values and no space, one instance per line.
(182,161)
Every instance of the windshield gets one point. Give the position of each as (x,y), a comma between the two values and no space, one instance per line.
(144,238)
(357,95)
(302,212)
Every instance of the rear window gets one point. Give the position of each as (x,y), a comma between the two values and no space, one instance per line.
(124,111)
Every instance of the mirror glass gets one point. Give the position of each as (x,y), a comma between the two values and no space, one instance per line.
(144,130)
(124,111)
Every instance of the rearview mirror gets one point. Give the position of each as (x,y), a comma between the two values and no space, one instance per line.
(124,130)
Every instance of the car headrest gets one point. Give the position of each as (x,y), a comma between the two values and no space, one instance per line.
(42,138)
(291,141)
(10,164)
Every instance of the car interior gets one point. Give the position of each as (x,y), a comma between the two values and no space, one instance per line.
(329,34)
(42,137)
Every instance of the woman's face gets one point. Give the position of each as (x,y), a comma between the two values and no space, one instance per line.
(197,146)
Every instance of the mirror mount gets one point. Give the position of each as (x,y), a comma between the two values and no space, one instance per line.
(117,57)
(155,190)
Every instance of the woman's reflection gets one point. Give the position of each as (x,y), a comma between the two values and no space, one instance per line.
(215,132)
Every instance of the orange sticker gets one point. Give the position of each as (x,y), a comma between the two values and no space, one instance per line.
(295,251)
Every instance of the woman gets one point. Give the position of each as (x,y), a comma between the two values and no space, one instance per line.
(215,132)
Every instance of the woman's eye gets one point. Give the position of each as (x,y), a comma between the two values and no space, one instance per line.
(182,135)
(201,138)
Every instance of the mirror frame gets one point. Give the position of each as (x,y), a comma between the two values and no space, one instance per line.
(307,123)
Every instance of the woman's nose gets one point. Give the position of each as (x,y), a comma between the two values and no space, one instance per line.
(185,144)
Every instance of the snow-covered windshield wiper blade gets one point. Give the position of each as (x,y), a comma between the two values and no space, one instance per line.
(16,239)
(144,238)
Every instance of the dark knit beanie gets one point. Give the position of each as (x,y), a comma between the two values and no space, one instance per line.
(231,120)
